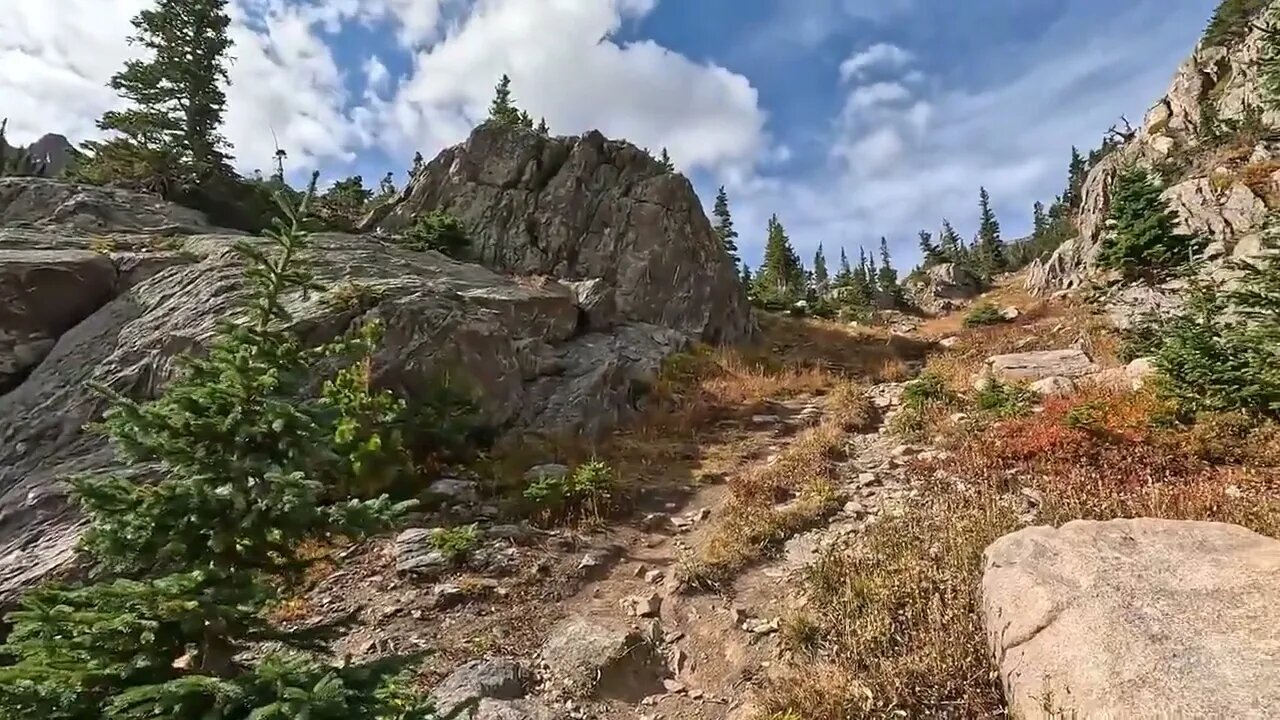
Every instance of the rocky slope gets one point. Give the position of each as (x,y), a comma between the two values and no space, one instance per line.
(108,286)
(1220,189)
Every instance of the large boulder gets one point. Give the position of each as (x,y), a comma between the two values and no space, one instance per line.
(584,208)
(604,659)
(104,286)
(1135,618)
(1032,366)
(943,287)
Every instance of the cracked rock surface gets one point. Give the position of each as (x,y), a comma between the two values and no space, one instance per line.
(1135,618)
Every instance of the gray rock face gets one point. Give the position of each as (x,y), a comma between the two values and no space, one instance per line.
(944,287)
(489,679)
(541,356)
(1224,209)
(1135,618)
(582,208)
(1043,364)
(603,659)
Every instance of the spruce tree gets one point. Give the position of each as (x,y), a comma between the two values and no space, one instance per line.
(176,93)
(990,248)
(746,275)
(887,277)
(949,243)
(1039,221)
(930,253)
(17,162)
(781,275)
(820,276)
(665,159)
(873,274)
(542,128)
(503,110)
(248,461)
(844,276)
(1143,241)
(1075,179)
(724,224)
(418,164)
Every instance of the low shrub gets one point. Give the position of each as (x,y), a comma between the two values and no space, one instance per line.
(439,231)
(583,493)
(983,314)
(1005,400)
(455,543)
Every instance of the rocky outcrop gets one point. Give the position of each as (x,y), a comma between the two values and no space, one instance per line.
(105,286)
(585,208)
(944,287)
(1135,618)
(1223,199)
(1032,366)
(604,659)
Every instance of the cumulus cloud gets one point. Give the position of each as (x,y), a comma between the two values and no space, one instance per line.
(286,80)
(881,93)
(879,55)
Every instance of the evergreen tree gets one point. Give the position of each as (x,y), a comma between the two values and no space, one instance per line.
(873,274)
(949,243)
(1143,241)
(990,248)
(418,164)
(1076,172)
(170,622)
(665,159)
(341,206)
(724,224)
(820,277)
(746,275)
(526,120)
(781,275)
(503,110)
(887,277)
(931,253)
(175,93)
(542,128)
(844,276)
(16,161)
(1039,220)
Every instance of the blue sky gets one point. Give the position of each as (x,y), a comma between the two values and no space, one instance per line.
(850,119)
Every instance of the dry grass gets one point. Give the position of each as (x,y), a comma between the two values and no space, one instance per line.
(1258,178)
(893,620)
(771,502)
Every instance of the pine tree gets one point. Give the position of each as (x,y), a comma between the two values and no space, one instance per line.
(418,164)
(949,243)
(781,275)
(873,274)
(1039,221)
(171,620)
(887,277)
(844,276)
(387,188)
(176,93)
(990,248)
(1075,179)
(542,128)
(746,275)
(16,161)
(526,120)
(930,253)
(724,224)
(503,110)
(820,276)
(665,159)
(1143,241)
(341,206)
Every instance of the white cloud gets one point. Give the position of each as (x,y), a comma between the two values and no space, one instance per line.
(705,115)
(878,55)
(881,93)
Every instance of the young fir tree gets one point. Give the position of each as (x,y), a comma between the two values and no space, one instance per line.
(1143,241)
(1039,221)
(172,126)
(724,224)
(503,110)
(341,206)
(249,464)
(1076,172)
(931,254)
(542,128)
(665,159)
(990,247)
(844,276)
(887,276)
(873,274)
(781,275)
(416,167)
(746,275)
(949,243)
(820,276)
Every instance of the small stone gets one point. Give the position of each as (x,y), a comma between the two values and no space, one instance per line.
(949,342)
(765,419)
(867,478)
(653,577)
(509,532)
(854,508)
(645,606)
(959,417)
(763,627)
(656,521)
(695,694)
(1055,385)
(446,596)
(591,561)
(1010,313)
(463,491)
(1234,492)
(702,514)
(673,686)
(739,615)
(901,451)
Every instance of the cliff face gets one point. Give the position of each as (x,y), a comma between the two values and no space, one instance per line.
(1207,138)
